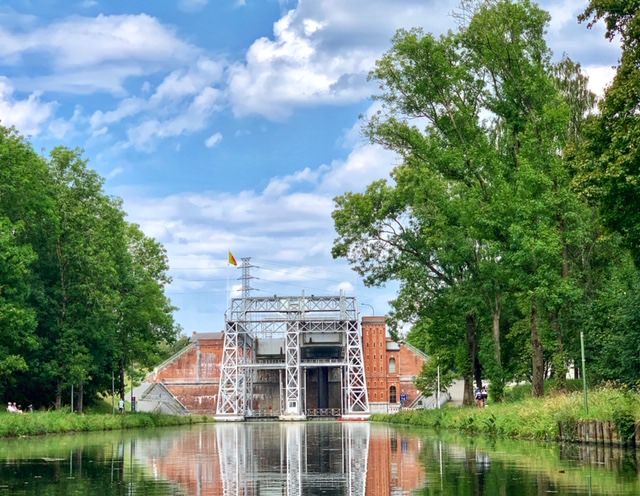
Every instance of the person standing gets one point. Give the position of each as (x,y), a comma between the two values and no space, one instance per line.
(121,405)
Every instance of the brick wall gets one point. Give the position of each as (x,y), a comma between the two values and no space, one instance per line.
(389,366)
(193,376)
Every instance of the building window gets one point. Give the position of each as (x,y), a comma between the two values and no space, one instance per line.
(392,365)
(392,394)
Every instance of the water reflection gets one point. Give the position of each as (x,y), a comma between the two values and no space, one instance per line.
(301,458)
(313,458)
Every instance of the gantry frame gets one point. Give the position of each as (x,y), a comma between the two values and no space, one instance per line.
(250,319)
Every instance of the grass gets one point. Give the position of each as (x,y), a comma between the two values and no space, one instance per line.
(528,418)
(37,423)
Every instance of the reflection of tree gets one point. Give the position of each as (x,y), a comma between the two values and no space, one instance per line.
(487,467)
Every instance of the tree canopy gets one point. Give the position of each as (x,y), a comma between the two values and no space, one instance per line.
(498,251)
(81,289)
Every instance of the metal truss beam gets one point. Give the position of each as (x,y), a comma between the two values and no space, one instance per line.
(356,396)
(289,318)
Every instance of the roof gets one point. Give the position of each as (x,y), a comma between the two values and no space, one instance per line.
(197,336)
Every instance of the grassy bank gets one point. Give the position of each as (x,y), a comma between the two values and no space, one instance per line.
(530,418)
(36,423)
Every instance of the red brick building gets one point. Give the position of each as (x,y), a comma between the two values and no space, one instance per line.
(391,368)
(188,381)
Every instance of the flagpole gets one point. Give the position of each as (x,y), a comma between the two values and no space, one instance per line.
(227,294)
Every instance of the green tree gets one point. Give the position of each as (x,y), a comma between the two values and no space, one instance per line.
(145,321)
(85,290)
(612,172)
(481,206)
(17,318)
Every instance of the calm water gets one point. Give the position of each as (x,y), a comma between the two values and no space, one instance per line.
(306,458)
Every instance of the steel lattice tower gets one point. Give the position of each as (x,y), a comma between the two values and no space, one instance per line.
(289,318)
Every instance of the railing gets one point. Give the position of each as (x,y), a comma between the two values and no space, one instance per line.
(323,412)
(394,407)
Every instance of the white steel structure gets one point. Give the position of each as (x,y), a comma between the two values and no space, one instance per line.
(291,325)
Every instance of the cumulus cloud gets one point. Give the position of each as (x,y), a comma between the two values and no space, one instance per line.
(92,49)
(213,140)
(182,103)
(185,82)
(599,77)
(321,52)
(194,117)
(286,228)
(27,115)
(126,108)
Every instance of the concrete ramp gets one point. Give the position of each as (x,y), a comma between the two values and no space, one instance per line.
(156,398)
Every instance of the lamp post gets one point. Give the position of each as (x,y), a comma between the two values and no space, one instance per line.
(373,311)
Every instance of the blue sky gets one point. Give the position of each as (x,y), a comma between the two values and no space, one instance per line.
(228,124)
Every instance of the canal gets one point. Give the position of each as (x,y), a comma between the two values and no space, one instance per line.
(312,458)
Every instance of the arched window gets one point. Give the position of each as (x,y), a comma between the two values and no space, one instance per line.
(392,365)
(392,394)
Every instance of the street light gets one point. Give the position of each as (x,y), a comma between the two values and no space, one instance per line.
(373,311)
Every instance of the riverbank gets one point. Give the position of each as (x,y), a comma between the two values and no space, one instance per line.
(38,423)
(552,418)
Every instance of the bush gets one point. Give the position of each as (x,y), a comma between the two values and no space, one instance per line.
(30,424)
(531,418)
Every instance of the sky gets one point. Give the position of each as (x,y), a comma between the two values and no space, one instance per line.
(229,124)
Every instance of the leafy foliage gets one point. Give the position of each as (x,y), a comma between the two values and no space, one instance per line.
(81,290)
(501,257)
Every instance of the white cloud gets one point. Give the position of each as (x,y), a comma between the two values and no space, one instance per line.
(321,52)
(85,54)
(213,140)
(286,228)
(59,128)
(364,164)
(126,108)
(115,172)
(194,118)
(27,115)
(599,77)
(186,82)
(182,103)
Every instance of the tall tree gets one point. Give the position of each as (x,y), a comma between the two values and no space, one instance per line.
(17,318)
(481,204)
(85,290)
(613,164)
(144,313)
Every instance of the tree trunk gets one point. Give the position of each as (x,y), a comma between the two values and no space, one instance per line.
(559,362)
(121,385)
(81,397)
(473,367)
(58,395)
(468,398)
(467,395)
(536,353)
(472,337)
(497,308)
(497,379)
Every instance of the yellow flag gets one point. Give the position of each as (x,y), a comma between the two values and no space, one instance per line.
(232,259)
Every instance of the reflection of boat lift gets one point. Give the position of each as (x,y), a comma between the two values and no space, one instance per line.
(239,460)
